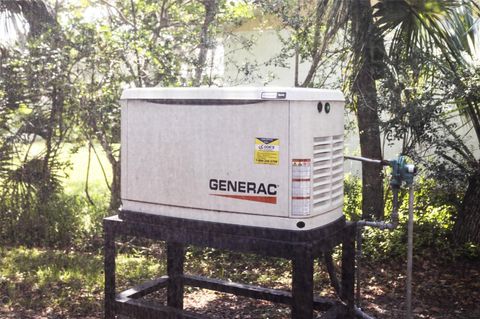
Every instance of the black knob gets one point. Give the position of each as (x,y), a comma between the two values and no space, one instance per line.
(319,107)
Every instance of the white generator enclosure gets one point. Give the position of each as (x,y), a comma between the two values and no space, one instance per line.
(266,157)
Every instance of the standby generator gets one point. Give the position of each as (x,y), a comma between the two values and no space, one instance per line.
(253,156)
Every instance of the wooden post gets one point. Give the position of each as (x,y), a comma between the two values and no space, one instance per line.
(302,283)
(175,287)
(109,268)
(348,269)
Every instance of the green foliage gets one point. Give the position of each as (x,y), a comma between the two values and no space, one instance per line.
(63,221)
(63,86)
(433,224)
(38,109)
(469,251)
(430,96)
(238,12)
(352,204)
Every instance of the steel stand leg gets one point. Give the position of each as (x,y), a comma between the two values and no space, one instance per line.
(175,261)
(348,269)
(302,284)
(109,267)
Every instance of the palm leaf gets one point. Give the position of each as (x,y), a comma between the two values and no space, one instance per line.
(37,13)
(427,25)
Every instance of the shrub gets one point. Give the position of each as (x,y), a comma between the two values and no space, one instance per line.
(63,221)
(432,229)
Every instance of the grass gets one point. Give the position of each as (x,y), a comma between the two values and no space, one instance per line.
(44,281)
(47,283)
(70,283)
(63,282)
(66,282)
(76,174)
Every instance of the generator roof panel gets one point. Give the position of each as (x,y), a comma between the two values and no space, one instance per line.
(233,93)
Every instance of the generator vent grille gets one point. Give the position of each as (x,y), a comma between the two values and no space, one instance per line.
(327,172)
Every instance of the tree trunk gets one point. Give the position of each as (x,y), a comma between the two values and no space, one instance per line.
(370,145)
(467,225)
(101,135)
(115,200)
(210,13)
(367,52)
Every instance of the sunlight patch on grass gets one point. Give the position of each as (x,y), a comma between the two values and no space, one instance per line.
(64,281)
(75,175)
(138,268)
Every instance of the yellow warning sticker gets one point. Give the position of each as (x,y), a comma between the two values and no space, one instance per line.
(267,151)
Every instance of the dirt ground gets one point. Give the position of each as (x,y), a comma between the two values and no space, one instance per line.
(441,290)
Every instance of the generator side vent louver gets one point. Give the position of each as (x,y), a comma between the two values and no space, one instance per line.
(327,172)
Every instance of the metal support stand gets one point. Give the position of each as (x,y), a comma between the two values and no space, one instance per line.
(300,247)
(348,270)
(302,283)
(109,255)
(175,261)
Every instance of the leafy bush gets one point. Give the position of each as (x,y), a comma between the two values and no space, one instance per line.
(432,229)
(63,221)
(352,205)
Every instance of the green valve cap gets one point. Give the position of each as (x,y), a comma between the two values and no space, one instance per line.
(402,172)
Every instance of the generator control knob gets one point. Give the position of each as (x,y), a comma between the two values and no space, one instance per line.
(319,107)
(327,108)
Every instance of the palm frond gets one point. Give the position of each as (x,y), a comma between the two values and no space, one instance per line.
(37,13)
(432,26)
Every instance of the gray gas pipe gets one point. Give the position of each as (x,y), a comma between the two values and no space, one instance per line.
(403,173)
